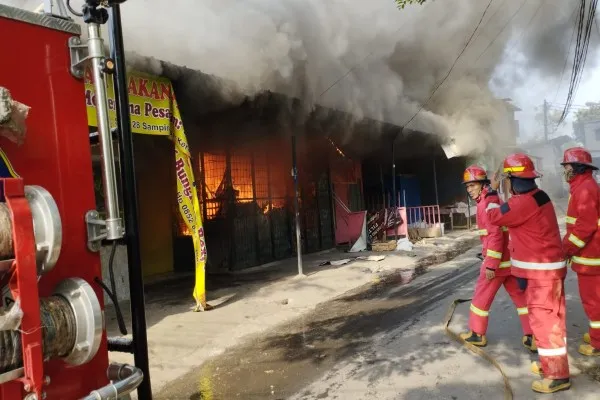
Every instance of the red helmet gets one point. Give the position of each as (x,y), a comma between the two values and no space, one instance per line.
(520,166)
(578,155)
(474,173)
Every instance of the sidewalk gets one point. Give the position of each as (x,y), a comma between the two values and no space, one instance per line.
(254,301)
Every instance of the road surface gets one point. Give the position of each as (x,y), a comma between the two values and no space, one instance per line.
(384,343)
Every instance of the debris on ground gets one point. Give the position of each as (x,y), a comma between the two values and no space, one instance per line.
(390,245)
(348,260)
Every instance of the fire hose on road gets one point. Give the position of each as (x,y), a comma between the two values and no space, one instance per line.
(508,392)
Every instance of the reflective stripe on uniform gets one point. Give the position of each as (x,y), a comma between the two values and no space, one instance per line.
(505,264)
(561,351)
(595,324)
(576,241)
(482,232)
(479,312)
(493,254)
(591,262)
(573,220)
(522,311)
(538,265)
(492,206)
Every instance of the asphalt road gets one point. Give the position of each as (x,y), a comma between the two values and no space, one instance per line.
(384,342)
(277,366)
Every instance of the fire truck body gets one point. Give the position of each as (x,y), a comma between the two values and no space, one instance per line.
(54,162)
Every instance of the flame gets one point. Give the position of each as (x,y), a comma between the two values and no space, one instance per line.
(271,181)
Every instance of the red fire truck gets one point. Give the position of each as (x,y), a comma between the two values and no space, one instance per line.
(53,341)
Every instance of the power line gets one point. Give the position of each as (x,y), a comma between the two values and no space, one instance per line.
(452,67)
(581,50)
(490,19)
(562,75)
(501,31)
(537,10)
(358,64)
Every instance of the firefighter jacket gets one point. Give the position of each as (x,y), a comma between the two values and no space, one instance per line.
(535,243)
(494,239)
(582,241)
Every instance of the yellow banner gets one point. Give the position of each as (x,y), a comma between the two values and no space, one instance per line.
(189,207)
(150,103)
(153,109)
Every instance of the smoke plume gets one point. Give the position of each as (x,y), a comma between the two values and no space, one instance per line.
(367,58)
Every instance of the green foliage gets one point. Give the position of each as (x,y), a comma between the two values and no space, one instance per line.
(591,113)
(404,3)
(553,118)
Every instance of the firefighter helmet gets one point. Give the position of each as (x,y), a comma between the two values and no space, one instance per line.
(520,166)
(474,173)
(578,155)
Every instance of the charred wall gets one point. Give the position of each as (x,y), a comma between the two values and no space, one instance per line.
(243,163)
(420,164)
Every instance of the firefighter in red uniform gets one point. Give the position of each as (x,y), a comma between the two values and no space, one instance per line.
(495,269)
(537,256)
(582,240)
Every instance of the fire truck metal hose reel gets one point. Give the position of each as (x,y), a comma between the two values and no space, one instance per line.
(47,228)
(125,378)
(72,323)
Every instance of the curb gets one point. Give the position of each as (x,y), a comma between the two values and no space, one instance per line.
(407,274)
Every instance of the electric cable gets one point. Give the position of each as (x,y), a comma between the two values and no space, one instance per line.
(562,75)
(581,51)
(451,68)
(501,31)
(112,293)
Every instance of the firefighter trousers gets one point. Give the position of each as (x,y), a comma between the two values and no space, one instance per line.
(547,315)
(485,292)
(589,291)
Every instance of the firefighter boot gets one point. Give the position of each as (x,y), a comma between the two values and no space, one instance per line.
(551,385)
(474,339)
(536,368)
(529,343)
(587,338)
(588,350)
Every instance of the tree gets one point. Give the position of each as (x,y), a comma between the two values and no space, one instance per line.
(590,113)
(553,118)
(404,3)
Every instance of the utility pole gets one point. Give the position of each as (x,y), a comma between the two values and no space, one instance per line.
(394,194)
(545,120)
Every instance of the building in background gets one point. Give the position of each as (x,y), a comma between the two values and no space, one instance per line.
(588,134)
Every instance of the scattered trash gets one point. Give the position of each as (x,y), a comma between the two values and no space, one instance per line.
(385,246)
(371,258)
(270,371)
(347,260)
(340,262)
(404,245)
(285,302)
